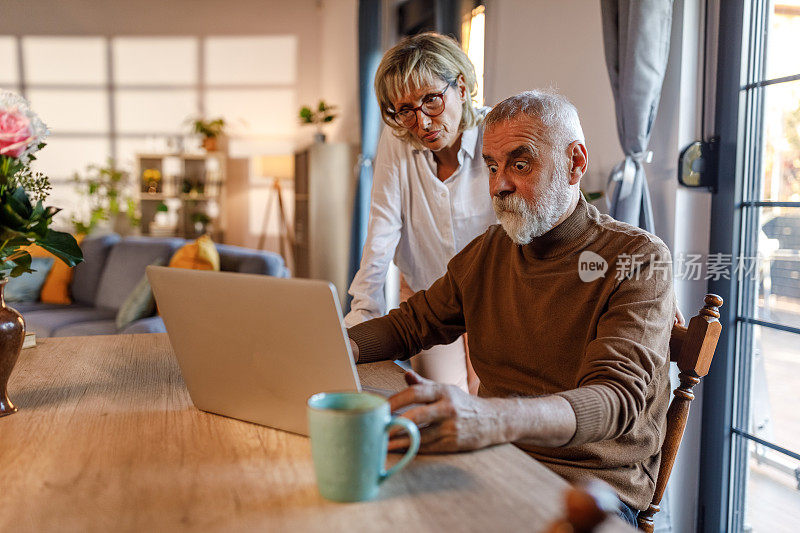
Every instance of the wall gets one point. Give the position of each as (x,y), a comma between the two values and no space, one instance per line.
(301,18)
(339,67)
(684,216)
(539,43)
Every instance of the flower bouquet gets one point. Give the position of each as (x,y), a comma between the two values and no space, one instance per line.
(24,220)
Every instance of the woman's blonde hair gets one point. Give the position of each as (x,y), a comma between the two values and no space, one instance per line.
(414,62)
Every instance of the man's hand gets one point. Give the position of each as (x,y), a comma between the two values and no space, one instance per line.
(449,419)
(354,349)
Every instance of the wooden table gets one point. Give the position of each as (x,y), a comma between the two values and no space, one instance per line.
(106,439)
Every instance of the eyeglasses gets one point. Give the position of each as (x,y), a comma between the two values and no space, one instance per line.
(432,106)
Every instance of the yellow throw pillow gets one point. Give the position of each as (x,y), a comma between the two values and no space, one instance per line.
(56,286)
(198,255)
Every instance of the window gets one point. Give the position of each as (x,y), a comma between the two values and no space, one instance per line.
(473,36)
(111,97)
(761,432)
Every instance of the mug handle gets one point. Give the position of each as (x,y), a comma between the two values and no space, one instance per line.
(413,432)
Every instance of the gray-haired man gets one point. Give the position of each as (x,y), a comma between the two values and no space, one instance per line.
(568,312)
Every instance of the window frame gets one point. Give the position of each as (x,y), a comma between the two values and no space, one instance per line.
(741,80)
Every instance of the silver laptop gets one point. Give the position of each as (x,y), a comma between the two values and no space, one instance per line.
(254,347)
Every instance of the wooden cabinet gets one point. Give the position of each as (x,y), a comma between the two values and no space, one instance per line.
(324,182)
(190,186)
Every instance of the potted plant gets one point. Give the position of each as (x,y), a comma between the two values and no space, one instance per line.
(151,178)
(105,189)
(323,115)
(24,220)
(210,130)
(161,217)
(200,221)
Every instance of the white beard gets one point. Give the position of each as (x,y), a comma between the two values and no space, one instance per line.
(523,221)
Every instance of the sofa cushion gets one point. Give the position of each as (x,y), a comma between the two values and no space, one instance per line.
(56,286)
(86,274)
(139,304)
(26,307)
(26,288)
(45,323)
(125,266)
(198,255)
(245,260)
(93,327)
(152,324)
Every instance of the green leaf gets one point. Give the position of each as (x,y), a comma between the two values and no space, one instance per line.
(38,211)
(40,229)
(21,197)
(62,245)
(10,215)
(8,234)
(22,265)
(16,242)
(5,266)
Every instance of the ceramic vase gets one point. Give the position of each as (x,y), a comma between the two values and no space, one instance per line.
(12,335)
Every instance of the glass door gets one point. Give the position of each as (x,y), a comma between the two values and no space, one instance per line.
(759,200)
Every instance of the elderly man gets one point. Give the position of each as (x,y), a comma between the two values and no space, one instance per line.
(568,312)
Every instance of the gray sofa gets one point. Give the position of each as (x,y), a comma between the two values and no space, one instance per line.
(112,267)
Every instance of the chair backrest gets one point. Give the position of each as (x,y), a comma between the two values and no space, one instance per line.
(692,349)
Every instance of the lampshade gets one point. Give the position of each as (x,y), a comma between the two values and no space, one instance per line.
(275,166)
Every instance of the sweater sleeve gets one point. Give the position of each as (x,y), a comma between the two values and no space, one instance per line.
(428,318)
(631,347)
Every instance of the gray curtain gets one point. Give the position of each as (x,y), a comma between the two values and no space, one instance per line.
(369,56)
(636,41)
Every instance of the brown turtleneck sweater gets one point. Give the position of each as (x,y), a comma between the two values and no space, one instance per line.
(535,328)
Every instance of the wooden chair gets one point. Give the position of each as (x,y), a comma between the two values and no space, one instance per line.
(692,348)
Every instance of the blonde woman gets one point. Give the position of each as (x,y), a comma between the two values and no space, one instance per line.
(430,193)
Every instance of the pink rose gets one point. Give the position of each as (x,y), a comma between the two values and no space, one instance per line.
(16,133)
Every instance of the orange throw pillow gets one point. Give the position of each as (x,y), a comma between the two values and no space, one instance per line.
(198,255)
(56,285)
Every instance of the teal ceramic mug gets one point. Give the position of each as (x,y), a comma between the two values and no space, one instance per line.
(349,439)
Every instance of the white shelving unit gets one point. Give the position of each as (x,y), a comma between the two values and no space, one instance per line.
(189,185)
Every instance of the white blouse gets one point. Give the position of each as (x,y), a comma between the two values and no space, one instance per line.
(417,219)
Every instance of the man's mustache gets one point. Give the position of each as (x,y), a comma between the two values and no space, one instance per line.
(511,203)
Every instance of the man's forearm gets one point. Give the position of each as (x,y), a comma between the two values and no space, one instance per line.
(547,421)
(374,341)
